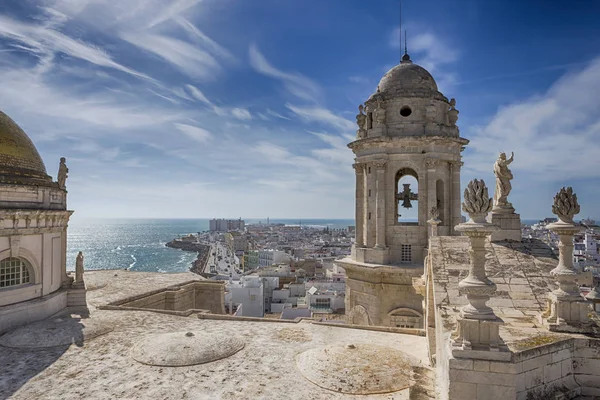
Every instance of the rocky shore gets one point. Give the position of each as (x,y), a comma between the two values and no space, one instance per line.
(189,244)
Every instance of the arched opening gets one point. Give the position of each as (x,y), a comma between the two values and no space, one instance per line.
(370,120)
(14,272)
(440,200)
(359,316)
(407,199)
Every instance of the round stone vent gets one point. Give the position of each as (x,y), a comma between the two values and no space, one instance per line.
(356,369)
(179,349)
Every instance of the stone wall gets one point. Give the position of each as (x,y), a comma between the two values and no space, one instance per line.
(195,295)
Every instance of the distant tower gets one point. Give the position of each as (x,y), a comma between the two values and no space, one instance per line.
(408,156)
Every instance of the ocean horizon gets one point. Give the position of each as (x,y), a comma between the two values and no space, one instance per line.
(138,244)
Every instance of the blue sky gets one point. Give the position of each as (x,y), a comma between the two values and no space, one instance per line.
(227,108)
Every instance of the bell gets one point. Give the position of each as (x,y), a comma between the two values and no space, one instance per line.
(406,203)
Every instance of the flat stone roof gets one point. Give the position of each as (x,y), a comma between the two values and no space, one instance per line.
(100,365)
(521,271)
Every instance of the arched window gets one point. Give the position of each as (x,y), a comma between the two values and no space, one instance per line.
(13,272)
(407,199)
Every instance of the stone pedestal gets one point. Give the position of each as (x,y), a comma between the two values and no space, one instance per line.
(76,295)
(478,334)
(509,223)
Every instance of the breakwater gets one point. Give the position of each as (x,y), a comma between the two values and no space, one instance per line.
(203,251)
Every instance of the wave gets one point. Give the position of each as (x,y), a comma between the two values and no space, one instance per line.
(133,263)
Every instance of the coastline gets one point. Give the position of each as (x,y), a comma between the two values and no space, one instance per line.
(203,250)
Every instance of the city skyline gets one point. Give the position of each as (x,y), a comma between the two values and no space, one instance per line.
(195,109)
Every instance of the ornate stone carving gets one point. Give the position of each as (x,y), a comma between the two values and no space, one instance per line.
(477,201)
(476,285)
(361,121)
(432,162)
(434,213)
(565,205)
(79,268)
(16,219)
(379,164)
(452,112)
(359,167)
(503,178)
(567,310)
(62,173)
(380,112)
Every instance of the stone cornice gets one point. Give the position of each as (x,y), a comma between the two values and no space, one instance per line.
(406,141)
(32,221)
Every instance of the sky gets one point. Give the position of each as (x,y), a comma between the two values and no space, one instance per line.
(232,108)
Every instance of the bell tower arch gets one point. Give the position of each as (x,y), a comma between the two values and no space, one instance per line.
(407,161)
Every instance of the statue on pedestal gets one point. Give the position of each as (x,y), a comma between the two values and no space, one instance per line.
(361,121)
(503,178)
(79,268)
(452,112)
(62,173)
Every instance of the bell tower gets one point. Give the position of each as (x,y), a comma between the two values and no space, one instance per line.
(407,162)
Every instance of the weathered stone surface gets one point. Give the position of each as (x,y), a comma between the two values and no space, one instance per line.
(178,349)
(350,368)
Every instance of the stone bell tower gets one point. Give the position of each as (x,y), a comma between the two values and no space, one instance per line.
(406,130)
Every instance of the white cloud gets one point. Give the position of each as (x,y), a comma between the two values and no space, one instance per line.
(276,114)
(190,59)
(198,94)
(194,132)
(43,41)
(296,84)
(241,113)
(554,135)
(322,115)
(210,44)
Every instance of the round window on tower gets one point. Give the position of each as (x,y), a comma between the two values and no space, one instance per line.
(405,111)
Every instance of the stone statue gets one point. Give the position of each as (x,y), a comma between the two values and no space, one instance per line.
(380,112)
(477,201)
(79,268)
(452,112)
(565,205)
(361,121)
(62,173)
(503,178)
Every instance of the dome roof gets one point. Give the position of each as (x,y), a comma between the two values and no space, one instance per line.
(407,77)
(20,161)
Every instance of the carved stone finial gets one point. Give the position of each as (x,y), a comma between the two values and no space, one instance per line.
(477,201)
(565,205)
(79,268)
(434,213)
(62,173)
(361,121)
(453,113)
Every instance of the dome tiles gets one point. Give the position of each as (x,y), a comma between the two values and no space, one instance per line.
(20,161)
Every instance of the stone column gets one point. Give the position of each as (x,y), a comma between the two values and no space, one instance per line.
(370,208)
(478,326)
(380,241)
(567,309)
(431,164)
(454,201)
(360,204)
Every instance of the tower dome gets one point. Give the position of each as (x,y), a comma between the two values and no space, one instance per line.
(407,77)
(20,162)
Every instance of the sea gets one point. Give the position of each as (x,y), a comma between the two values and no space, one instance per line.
(139,244)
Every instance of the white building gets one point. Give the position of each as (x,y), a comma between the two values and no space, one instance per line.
(33,232)
(269,257)
(225,225)
(253,293)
